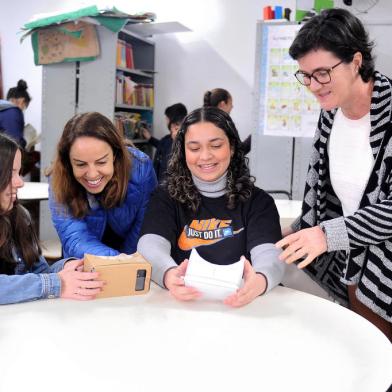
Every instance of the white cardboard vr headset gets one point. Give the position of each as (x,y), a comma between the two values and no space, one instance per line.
(212,280)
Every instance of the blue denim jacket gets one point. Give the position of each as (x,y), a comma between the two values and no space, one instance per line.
(41,282)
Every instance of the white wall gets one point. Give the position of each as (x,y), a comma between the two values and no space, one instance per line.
(219,52)
(17,58)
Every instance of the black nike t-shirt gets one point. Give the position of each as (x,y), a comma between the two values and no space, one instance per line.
(219,234)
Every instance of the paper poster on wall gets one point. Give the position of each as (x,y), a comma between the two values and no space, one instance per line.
(286,108)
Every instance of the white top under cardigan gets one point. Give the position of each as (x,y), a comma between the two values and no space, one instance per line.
(350,159)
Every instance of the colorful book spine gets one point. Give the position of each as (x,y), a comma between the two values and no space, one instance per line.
(129,124)
(121,53)
(119,88)
(129,56)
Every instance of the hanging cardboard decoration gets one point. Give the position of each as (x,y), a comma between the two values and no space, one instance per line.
(65,42)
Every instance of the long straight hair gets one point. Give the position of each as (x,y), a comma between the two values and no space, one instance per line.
(16,231)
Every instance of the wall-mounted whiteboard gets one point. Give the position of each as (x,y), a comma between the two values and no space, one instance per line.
(285,107)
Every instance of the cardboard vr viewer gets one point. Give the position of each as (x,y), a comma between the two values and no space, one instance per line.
(215,282)
(124,274)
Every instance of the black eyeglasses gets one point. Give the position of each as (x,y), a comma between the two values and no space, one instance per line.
(322,76)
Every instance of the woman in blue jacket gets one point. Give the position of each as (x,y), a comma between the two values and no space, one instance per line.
(99,188)
(24,273)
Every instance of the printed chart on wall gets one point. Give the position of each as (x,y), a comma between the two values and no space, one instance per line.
(285,107)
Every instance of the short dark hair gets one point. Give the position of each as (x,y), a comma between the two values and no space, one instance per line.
(215,96)
(176,113)
(179,180)
(20,91)
(340,32)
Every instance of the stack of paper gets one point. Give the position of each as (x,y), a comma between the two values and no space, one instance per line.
(212,280)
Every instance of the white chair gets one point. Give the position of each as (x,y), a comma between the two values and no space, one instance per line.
(52,250)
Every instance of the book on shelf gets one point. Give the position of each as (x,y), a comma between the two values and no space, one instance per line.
(130,124)
(124,55)
(119,88)
(129,56)
(129,97)
(144,95)
(134,94)
(120,53)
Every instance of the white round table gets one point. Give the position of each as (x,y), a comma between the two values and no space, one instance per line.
(284,341)
(289,210)
(34,191)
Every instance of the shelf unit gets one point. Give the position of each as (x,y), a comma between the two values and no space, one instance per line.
(71,88)
(133,107)
(135,69)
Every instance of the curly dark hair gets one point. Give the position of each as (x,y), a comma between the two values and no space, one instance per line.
(340,32)
(179,180)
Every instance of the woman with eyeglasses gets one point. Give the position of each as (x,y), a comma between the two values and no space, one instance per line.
(344,237)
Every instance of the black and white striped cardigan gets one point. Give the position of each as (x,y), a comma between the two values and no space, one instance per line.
(359,245)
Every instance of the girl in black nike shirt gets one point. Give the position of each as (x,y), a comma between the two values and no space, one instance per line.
(209,202)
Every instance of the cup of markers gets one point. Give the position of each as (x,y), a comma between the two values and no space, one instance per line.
(276,13)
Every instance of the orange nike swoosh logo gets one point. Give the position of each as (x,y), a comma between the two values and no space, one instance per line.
(186,243)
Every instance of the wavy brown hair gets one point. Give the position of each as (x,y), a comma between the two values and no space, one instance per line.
(66,189)
(179,178)
(16,231)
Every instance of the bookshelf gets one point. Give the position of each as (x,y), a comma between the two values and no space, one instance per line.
(134,100)
(71,88)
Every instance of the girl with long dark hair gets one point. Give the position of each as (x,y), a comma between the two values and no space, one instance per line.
(24,273)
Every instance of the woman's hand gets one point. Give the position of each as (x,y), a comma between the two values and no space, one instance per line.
(254,285)
(174,282)
(309,243)
(76,284)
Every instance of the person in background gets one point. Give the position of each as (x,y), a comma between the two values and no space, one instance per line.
(343,237)
(174,115)
(24,273)
(99,188)
(209,187)
(222,99)
(11,112)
